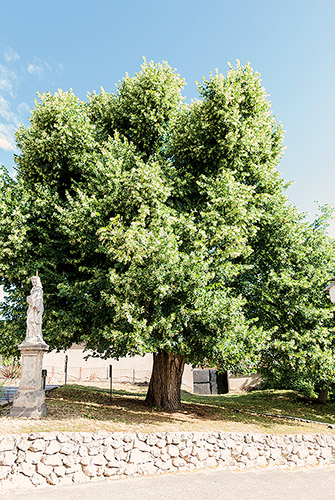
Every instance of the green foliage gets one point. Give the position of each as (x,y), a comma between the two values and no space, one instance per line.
(157,225)
(142,108)
(283,283)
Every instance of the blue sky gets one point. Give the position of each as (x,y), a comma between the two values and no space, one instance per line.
(84,45)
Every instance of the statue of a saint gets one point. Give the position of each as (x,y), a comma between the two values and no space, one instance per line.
(35,312)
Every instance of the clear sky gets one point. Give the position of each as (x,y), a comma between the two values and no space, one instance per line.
(83,45)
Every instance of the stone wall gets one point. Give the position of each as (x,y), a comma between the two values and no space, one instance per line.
(63,458)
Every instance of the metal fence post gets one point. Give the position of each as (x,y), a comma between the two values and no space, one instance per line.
(65,368)
(110,382)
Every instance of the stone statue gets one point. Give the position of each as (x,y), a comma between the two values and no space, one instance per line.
(35,312)
(29,401)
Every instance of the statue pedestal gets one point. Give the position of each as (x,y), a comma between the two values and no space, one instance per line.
(29,401)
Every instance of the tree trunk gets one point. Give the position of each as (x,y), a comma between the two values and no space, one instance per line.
(323,395)
(165,381)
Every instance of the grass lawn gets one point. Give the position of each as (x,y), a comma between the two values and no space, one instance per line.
(88,408)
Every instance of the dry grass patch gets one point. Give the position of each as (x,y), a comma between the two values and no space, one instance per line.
(83,408)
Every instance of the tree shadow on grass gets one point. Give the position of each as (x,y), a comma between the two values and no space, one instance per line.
(128,408)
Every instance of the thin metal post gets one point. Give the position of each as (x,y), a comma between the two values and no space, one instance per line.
(44,377)
(65,368)
(110,382)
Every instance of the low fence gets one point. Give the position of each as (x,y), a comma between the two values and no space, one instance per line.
(64,458)
(83,374)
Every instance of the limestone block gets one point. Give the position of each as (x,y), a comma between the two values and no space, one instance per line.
(21,482)
(37,445)
(70,461)
(71,470)
(326,453)
(194,461)
(155,451)
(78,477)
(129,446)
(276,454)
(221,444)
(22,444)
(211,439)
(33,457)
(127,438)
(43,470)
(62,437)
(116,443)
(152,439)
(52,479)
(38,480)
(165,466)
(179,462)
(261,461)
(108,472)
(5,470)
(82,451)
(139,457)
(237,450)
(7,458)
(85,460)
(93,450)
(109,454)
(69,448)
(100,470)
(21,457)
(302,452)
(311,460)
(99,460)
(59,470)
(173,450)
(252,453)
(230,443)
(52,448)
(141,437)
(185,453)
(161,443)
(53,460)
(211,462)
(90,470)
(121,455)
(65,481)
(88,438)
(148,469)
(201,455)
(140,445)
(7,444)
(172,438)
(131,469)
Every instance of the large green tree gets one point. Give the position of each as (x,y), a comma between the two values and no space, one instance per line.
(140,213)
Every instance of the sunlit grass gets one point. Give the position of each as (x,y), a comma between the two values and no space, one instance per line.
(84,408)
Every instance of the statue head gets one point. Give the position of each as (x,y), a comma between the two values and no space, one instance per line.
(36,281)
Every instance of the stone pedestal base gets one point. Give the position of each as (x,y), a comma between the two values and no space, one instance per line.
(29,401)
(29,404)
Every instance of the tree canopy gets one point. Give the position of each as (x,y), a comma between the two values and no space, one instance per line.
(146,218)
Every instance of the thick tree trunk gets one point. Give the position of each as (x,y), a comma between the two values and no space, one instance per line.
(165,381)
(323,395)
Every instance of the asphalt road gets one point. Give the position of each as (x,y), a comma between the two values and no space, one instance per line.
(206,485)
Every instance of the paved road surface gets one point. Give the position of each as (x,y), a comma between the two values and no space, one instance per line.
(210,485)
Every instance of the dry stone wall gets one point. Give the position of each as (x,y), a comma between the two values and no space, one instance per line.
(64,458)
